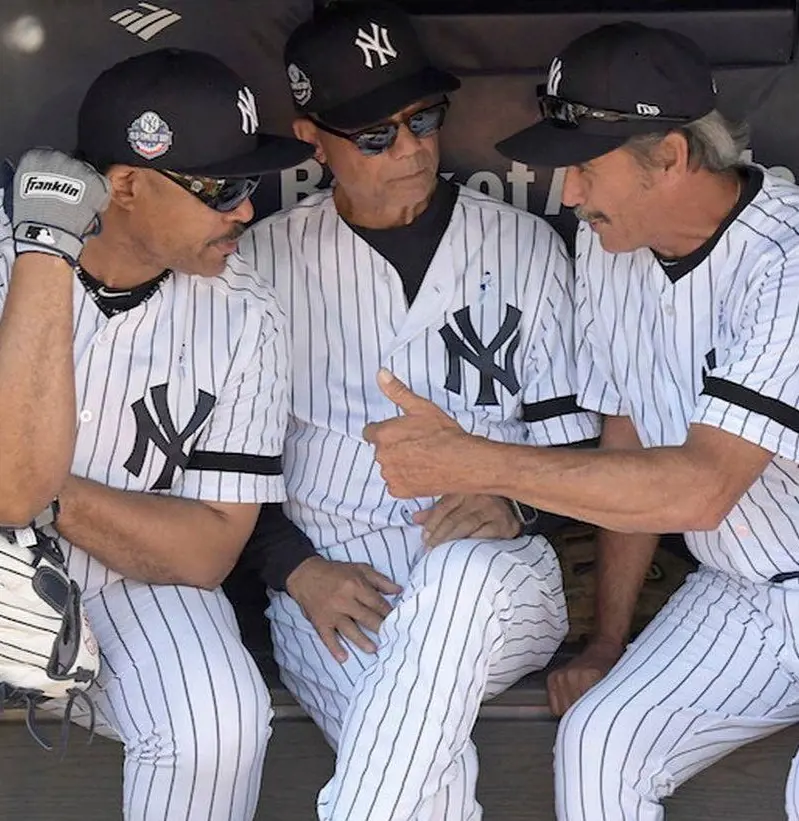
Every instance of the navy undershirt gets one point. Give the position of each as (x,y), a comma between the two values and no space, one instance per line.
(410,248)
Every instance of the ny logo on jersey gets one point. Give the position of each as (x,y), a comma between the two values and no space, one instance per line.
(375,44)
(249,112)
(162,432)
(472,350)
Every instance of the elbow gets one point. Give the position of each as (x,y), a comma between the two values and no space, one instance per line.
(210,575)
(706,511)
(19,507)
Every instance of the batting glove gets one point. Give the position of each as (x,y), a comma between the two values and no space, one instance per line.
(57,203)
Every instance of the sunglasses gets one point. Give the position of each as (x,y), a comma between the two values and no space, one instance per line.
(566,114)
(380,137)
(221,195)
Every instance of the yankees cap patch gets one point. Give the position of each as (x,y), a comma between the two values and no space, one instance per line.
(149,135)
(48,186)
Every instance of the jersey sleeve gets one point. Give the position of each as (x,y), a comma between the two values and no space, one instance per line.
(596,387)
(238,456)
(550,406)
(752,388)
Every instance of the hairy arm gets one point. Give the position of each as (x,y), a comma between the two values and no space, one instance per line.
(37,382)
(152,538)
(654,490)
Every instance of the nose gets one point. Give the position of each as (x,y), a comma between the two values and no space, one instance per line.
(406,144)
(573,187)
(243,212)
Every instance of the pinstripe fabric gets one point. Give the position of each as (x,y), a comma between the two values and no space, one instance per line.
(643,351)
(493,611)
(719,666)
(177,685)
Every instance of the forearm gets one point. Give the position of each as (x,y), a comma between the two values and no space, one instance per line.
(276,548)
(657,490)
(148,537)
(37,424)
(622,563)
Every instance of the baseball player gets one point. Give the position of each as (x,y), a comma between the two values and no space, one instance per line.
(470,300)
(688,296)
(144,375)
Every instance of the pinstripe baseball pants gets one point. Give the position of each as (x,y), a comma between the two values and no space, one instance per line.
(185,697)
(717,668)
(474,616)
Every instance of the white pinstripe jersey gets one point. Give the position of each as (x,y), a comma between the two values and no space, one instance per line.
(488,338)
(199,368)
(719,346)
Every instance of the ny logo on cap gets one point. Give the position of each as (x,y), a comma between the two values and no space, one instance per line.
(555,76)
(377,44)
(249,113)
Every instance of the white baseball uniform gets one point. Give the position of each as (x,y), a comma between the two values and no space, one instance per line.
(184,394)
(488,339)
(712,339)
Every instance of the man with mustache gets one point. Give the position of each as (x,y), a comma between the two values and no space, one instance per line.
(470,299)
(687,267)
(144,375)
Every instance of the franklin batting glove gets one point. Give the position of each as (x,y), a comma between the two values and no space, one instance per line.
(57,203)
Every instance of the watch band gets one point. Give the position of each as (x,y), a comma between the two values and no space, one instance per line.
(526,515)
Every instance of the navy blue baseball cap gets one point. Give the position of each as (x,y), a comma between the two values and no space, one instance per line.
(356,63)
(611,84)
(180,110)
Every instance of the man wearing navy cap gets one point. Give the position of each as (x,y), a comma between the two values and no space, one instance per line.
(144,370)
(470,299)
(687,267)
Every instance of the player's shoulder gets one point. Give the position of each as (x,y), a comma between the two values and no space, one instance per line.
(241,288)
(772,215)
(293,215)
(473,201)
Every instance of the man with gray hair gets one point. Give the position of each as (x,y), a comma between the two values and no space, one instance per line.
(687,291)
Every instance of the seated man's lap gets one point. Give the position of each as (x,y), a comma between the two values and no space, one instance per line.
(174,665)
(517,584)
(706,676)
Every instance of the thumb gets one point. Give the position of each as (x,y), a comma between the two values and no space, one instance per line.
(400,394)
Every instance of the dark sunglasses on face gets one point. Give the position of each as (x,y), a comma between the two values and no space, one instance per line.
(566,114)
(380,137)
(221,195)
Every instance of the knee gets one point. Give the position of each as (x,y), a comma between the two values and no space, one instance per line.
(592,740)
(205,735)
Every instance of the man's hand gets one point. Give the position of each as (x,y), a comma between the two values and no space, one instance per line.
(58,201)
(566,684)
(337,597)
(467,517)
(418,452)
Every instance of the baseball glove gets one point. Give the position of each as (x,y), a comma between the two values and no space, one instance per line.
(576,550)
(47,649)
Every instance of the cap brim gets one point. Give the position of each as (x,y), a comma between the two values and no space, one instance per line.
(273,153)
(550,146)
(388,99)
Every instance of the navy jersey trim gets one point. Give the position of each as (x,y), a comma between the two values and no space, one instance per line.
(549,408)
(235,463)
(750,400)
(751,183)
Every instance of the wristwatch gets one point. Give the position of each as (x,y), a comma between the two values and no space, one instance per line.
(525,514)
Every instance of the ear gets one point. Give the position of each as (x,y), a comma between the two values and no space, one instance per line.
(125,185)
(305,130)
(673,155)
